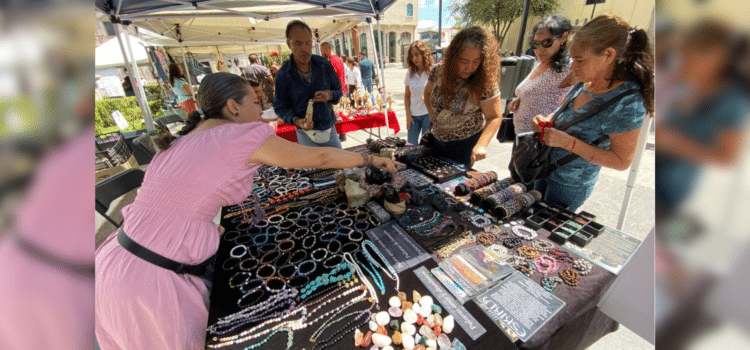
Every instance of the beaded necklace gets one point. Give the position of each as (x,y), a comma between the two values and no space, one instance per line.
(289,339)
(346,329)
(350,261)
(374,274)
(250,334)
(387,268)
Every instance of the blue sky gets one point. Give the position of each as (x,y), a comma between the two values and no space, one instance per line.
(428,14)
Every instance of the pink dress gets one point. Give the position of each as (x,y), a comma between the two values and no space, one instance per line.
(143,306)
(43,306)
(539,96)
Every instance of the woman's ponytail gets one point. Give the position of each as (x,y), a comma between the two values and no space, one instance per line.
(191,123)
(637,64)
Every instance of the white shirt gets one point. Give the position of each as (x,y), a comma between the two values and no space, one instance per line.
(353,76)
(416,84)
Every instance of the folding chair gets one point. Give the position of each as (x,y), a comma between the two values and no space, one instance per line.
(166,120)
(146,146)
(114,187)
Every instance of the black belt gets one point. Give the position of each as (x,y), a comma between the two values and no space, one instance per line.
(85,270)
(201,270)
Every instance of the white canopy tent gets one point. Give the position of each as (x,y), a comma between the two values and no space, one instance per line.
(108,54)
(214,22)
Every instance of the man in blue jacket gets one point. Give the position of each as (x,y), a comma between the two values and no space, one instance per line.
(306,77)
(368,72)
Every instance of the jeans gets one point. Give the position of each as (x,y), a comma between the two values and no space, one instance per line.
(418,128)
(368,86)
(459,151)
(571,197)
(305,140)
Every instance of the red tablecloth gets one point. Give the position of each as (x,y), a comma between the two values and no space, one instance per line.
(359,122)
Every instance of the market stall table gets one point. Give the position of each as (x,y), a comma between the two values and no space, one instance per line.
(359,122)
(578,325)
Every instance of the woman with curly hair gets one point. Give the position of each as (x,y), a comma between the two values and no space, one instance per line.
(464,97)
(420,62)
(612,62)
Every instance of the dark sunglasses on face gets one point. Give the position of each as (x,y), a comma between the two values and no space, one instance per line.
(546,43)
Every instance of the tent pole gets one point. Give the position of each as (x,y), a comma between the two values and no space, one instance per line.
(135,78)
(187,72)
(642,138)
(382,76)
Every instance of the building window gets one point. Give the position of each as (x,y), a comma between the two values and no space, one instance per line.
(363,43)
(392,46)
(409,10)
(338,47)
(405,38)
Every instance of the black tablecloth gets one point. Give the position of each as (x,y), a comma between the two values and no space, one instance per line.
(578,325)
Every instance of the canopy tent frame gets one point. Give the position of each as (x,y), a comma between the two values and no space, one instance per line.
(124,12)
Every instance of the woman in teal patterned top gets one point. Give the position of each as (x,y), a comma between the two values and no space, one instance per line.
(609,57)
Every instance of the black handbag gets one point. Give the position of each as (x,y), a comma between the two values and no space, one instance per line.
(507,131)
(530,161)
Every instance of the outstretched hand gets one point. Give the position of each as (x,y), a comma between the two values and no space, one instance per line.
(386,163)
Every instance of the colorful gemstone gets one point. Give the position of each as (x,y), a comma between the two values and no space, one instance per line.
(394,325)
(420,320)
(381,330)
(401,296)
(415,296)
(437,330)
(396,338)
(358,336)
(367,340)
(437,309)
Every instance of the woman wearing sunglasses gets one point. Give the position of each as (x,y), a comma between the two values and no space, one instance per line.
(550,79)
(614,67)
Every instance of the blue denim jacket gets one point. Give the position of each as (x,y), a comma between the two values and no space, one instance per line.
(293,92)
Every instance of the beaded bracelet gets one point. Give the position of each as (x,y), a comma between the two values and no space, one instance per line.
(233,253)
(306,242)
(361,226)
(231,235)
(281,236)
(287,271)
(324,251)
(334,246)
(570,277)
(512,242)
(526,267)
(543,245)
(356,236)
(277,280)
(327,219)
(327,236)
(265,275)
(270,257)
(332,261)
(302,270)
(527,252)
(546,264)
(251,297)
(549,283)
(346,222)
(524,232)
(249,264)
(230,264)
(582,266)
(239,279)
(261,239)
(480,221)
(350,247)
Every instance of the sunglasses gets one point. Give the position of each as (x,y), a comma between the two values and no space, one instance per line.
(546,43)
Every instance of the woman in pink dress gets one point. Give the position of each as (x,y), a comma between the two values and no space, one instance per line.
(550,79)
(209,164)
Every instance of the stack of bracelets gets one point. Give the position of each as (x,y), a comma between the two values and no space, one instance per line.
(481,194)
(478,181)
(502,196)
(516,204)
(292,260)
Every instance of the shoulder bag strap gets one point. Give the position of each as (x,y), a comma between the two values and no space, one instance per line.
(572,156)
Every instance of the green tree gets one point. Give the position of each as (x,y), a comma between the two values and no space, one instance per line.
(498,14)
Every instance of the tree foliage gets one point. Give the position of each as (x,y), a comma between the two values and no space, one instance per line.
(498,14)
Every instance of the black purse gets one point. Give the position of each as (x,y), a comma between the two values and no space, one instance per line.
(507,131)
(530,161)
